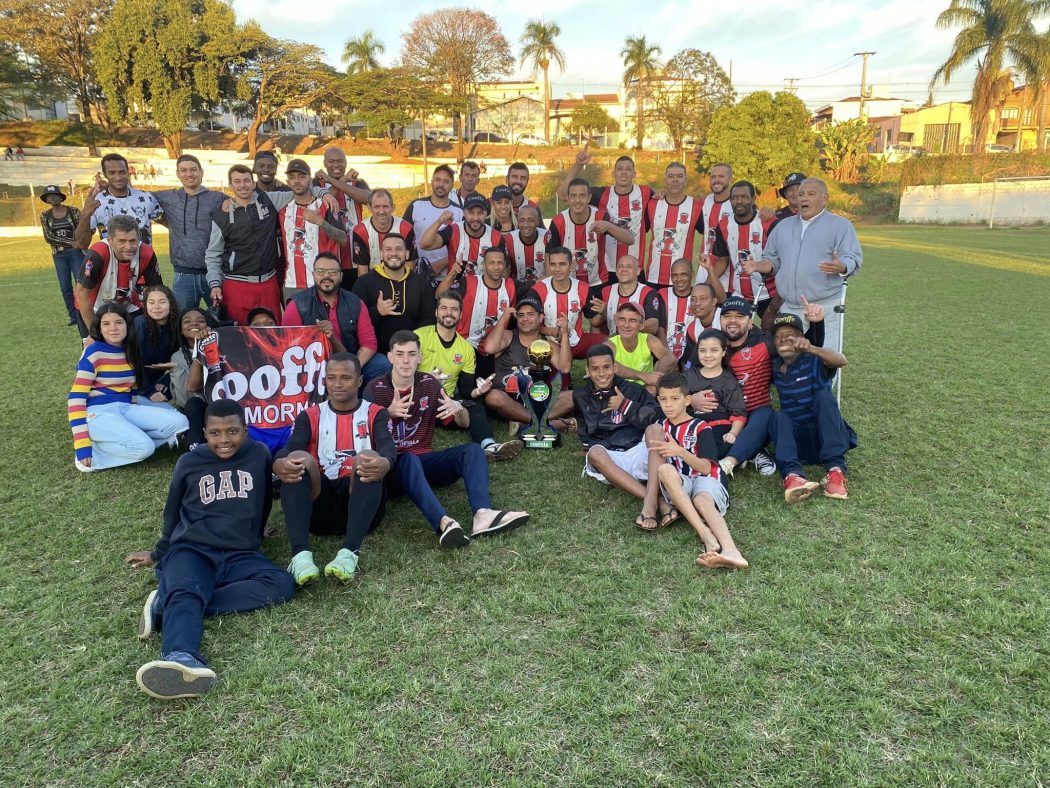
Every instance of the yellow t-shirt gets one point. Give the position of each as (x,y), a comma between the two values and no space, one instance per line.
(444,363)
(640,359)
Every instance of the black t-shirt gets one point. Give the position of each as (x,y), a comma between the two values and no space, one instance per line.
(413,300)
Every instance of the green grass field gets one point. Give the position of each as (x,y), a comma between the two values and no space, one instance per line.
(899,638)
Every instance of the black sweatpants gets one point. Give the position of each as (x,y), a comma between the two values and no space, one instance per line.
(346,505)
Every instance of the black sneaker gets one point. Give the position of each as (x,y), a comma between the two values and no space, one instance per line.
(178,675)
(149,621)
(764,464)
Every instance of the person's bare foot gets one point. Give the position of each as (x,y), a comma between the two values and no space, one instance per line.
(729,559)
(493,521)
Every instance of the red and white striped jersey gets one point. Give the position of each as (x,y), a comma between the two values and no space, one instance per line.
(742,242)
(674,229)
(627,211)
(336,439)
(482,306)
(528,262)
(367,242)
(302,241)
(713,213)
(679,319)
(569,303)
(695,437)
(587,246)
(458,244)
(647,299)
(350,211)
(697,327)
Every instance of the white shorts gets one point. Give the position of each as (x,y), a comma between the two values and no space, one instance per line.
(694,485)
(633,461)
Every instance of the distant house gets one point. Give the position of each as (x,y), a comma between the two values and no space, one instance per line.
(941,128)
(562,109)
(1018,119)
(849,109)
(510,119)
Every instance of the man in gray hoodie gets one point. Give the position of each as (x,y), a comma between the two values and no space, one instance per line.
(812,254)
(187,215)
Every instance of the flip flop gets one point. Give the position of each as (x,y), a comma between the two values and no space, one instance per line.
(669,517)
(453,536)
(647,518)
(568,425)
(504,521)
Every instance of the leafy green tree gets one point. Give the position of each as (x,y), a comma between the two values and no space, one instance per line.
(845,148)
(993,31)
(458,47)
(361,53)
(590,117)
(641,62)
(538,46)
(274,76)
(59,36)
(159,60)
(765,136)
(693,87)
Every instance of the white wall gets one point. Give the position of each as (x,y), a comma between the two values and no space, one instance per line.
(1006,202)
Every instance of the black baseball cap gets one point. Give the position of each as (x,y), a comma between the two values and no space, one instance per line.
(735,303)
(793,179)
(502,193)
(260,310)
(531,299)
(266,154)
(787,321)
(52,189)
(476,201)
(297,165)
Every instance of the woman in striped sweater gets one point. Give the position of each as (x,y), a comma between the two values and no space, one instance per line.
(108,429)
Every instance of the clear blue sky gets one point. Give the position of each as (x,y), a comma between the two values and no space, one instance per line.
(765,41)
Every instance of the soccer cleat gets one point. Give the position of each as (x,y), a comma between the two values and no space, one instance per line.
(764,465)
(726,467)
(303,568)
(149,621)
(177,675)
(343,566)
(835,484)
(508,450)
(798,488)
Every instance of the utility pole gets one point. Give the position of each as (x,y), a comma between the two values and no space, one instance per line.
(792,88)
(863,81)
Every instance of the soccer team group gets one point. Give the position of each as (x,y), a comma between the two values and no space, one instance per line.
(430,315)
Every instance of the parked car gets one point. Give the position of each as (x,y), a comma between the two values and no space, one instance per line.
(531,139)
(211,125)
(1000,149)
(488,136)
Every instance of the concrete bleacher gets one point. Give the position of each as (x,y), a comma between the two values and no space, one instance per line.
(60,164)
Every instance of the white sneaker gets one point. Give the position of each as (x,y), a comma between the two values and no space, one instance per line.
(726,467)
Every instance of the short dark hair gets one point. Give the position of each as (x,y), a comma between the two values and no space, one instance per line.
(350,358)
(403,337)
(518,165)
(560,250)
(712,333)
(125,223)
(224,408)
(676,165)
(327,256)
(600,350)
(451,295)
(721,164)
(188,157)
(744,185)
(624,158)
(244,169)
(579,182)
(681,260)
(381,193)
(709,286)
(472,165)
(445,169)
(673,380)
(398,236)
(112,157)
(489,250)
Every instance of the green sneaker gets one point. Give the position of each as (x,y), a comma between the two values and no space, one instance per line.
(343,566)
(303,568)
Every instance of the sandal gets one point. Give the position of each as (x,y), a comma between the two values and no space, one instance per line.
(568,425)
(669,517)
(642,519)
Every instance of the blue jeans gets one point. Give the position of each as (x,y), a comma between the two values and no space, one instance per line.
(377,366)
(197,580)
(755,435)
(417,474)
(190,290)
(67,267)
(823,441)
(122,434)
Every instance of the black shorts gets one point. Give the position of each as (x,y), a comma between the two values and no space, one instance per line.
(331,507)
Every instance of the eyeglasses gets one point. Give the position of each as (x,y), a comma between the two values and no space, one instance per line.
(327,271)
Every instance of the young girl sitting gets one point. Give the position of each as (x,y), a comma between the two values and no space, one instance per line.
(186,379)
(157,334)
(108,428)
(712,385)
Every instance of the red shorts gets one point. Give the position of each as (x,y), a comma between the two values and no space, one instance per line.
(587,340)
(240,298)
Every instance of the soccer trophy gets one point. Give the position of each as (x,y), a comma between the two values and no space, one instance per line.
(539,386)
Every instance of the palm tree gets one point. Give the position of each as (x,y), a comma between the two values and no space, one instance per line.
(538,46)
(361,54)
(640,64)
(992,30)
(1035,67)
